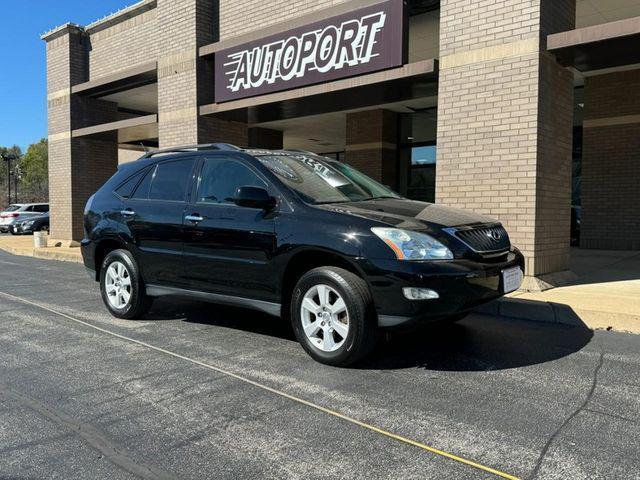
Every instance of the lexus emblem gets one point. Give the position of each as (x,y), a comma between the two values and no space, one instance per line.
(495,235)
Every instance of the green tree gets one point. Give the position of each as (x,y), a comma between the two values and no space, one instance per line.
(34,167)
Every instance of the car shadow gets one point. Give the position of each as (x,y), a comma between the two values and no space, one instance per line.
(194,311)
(478,343)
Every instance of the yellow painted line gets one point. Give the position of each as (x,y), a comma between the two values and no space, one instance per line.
(280,393)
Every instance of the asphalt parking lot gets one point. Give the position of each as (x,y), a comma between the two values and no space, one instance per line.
(200,391)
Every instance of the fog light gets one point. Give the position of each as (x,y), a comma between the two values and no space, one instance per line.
(420,293)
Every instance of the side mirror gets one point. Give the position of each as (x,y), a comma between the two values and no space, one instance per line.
(254,197)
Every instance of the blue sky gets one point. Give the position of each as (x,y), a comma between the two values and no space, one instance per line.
(23,108)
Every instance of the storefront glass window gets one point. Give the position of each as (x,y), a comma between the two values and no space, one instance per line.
(418,154)
(422,175)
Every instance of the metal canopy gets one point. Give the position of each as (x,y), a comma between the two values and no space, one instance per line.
(124,80)
(608,45)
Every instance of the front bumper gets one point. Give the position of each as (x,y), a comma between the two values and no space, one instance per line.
(461,285)
(10,225)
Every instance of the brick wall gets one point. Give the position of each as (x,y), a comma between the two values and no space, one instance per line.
(77,167)
(184,80)
(65,66)
(504,123)
(611,162)
(237,18)
(124,45)
(371,139)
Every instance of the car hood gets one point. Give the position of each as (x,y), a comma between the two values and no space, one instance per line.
(409,214)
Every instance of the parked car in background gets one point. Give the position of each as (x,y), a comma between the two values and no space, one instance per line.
(293,234)
(15,214)
(37,224)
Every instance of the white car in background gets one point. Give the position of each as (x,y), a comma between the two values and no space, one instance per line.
(16,213)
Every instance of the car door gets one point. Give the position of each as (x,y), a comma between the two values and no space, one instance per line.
(229,248)
(152,220)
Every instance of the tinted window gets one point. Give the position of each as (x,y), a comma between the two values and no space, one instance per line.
(169,181)
(221,177)
(320,180)
(142,192)
(41,208)
(127,188)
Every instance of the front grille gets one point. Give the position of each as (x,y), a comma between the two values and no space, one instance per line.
(484,239)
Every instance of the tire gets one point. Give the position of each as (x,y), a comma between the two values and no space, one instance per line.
(361,321)
(138,302)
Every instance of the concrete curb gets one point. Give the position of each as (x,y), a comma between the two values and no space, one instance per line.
(44,254)
(558,313)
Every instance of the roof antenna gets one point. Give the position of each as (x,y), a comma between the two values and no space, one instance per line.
(144,147)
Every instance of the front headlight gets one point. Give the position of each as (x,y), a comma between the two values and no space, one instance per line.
(408,245)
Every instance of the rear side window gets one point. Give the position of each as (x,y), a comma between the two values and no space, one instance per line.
(41,208)
(169,181)
(126,189)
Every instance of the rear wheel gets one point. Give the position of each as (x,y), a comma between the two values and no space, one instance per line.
(122,287)
(333,316)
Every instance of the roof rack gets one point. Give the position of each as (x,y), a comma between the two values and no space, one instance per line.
(190,148)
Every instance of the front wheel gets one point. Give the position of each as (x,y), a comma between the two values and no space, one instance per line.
(122,287)
(333,316)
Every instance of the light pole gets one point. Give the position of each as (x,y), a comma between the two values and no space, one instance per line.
(7,158)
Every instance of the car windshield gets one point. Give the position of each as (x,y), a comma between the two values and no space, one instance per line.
(13,208)
(320,180)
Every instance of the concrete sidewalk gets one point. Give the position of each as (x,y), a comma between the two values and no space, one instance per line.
(606,294)
(23,245)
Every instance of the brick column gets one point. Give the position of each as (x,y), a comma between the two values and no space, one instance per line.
(611,162)
(185,81)
(505,123)
(371,144)
(77,166)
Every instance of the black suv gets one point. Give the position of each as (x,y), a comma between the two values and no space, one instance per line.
(292,234)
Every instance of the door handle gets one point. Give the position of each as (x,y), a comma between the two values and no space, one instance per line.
(194,218)
(127,213)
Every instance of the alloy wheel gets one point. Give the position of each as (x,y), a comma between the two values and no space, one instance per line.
(325,318)
(118,285)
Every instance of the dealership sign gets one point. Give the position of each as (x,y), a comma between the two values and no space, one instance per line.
(362,41)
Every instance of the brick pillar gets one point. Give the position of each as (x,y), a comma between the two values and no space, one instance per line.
(611,162)
(185,80)
(371,144)
(265,138)
(77,166)
(505,123)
